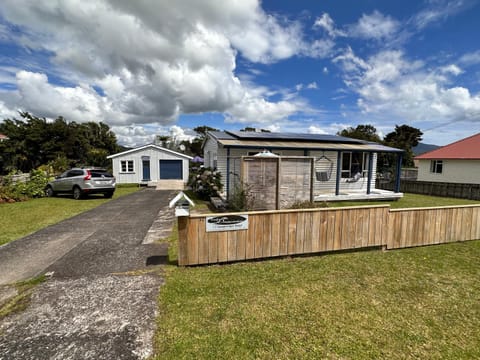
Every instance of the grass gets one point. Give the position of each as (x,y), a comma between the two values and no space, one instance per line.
(23,218)
(403,304)
(20,301)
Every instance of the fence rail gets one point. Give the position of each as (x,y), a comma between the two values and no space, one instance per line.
(456,190)
(295,232)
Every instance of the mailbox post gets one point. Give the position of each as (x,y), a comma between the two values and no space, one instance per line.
(182,204)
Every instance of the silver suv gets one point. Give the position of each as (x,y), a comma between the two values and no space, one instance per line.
(82,181)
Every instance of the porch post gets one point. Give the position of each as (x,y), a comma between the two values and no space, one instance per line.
(370,172)
(339,172)
(399,171)
(228,173)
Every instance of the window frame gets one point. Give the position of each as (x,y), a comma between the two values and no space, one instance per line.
(436,166)
(346,169)
(127,166)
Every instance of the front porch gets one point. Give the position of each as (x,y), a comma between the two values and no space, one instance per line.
(353,195)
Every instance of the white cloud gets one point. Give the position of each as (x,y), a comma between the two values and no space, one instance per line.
(326,22)
(179,134)
(374,26)
(312,85)
(471,58)
(397,89)
(438,11)
(152,60)
(314,129)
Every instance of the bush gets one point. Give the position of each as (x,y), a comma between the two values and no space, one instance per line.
(12,190)
(241,199)
(206,182)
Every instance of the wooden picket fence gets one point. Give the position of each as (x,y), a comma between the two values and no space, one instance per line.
(295,232)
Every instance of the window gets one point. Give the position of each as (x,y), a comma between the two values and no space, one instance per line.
(436,166)
(126,166)
(354,163)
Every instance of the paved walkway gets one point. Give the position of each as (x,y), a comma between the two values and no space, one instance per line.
(101,301)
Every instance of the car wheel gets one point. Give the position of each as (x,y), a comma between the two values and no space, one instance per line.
(49,192)
(108,195)
(77,193)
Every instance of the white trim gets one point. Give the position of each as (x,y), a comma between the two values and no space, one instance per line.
(150,146)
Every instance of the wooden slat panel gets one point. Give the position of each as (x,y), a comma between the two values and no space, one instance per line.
(241,244)
(192,231)
(232,245)
(284,233)
(202,241)
(474,224)
(330,230)
(275,238)
(323,231)
(346,241)
(250,243)
(212,247)
(337,232)
(300,233)
(259,236)
(222,246)
(292,232)
(267,236)
(316,231)
(307,244)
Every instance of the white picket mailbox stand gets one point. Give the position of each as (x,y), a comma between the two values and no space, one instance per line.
(182,204)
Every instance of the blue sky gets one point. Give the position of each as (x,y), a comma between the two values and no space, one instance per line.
(157,67)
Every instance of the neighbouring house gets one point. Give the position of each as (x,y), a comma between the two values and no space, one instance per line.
(3,137)
(151,165)
(458,162)
(333,167)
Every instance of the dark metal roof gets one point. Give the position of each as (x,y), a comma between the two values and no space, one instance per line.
(272,136)
(240,139)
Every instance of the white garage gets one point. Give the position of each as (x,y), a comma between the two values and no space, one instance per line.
(151,165)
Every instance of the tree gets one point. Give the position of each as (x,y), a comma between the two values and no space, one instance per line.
(361,132)
(404,137)
(195,147)
(34,141)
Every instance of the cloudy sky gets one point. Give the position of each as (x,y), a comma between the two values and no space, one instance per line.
(149,67)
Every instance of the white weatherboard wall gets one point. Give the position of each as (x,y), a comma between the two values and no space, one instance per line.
(155,154)
(453,171)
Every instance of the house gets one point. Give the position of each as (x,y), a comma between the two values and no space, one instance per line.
(3,137)
(343,168)
(151,165)
(458,162)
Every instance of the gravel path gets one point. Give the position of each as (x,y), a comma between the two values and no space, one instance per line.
(101,301)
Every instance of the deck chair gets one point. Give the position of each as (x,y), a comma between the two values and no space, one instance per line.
(355,178)
(326,168)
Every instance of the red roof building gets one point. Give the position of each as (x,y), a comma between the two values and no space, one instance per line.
(468,148)
(458,162)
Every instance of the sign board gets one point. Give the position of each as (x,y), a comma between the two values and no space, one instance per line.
(226,223)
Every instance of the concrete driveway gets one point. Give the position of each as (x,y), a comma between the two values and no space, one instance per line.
(101,299)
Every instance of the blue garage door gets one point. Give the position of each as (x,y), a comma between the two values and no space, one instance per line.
(171,169)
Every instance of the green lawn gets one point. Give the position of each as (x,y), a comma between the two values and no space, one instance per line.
(405,304)
(409,201)
(23,218)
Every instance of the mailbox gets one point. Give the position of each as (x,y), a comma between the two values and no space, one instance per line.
(182,204)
